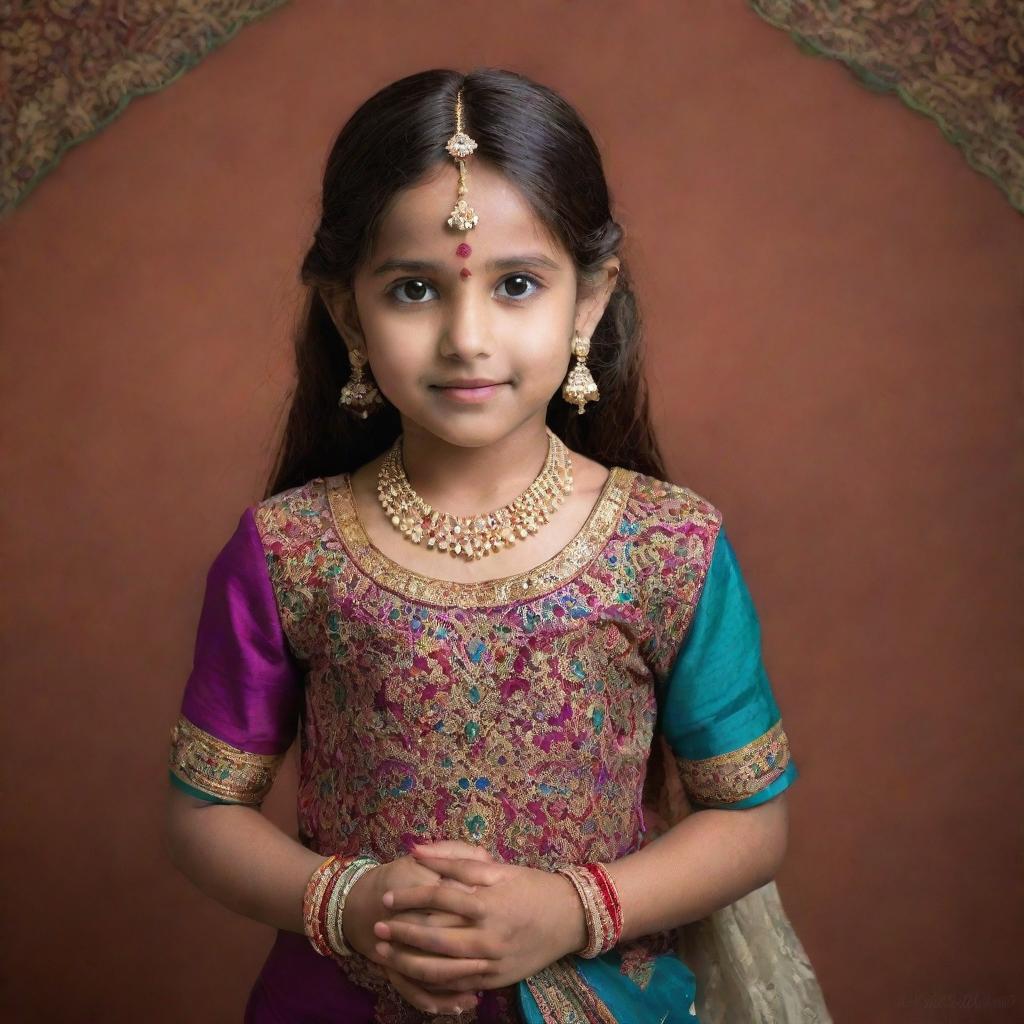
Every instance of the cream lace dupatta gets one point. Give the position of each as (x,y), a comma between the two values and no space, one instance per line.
(749,964)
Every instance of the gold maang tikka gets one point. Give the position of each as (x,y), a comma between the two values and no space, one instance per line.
(460,145)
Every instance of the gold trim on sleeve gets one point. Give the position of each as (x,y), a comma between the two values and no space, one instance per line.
(729,778)
(207,763)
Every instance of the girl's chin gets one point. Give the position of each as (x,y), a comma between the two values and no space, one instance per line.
(471,431)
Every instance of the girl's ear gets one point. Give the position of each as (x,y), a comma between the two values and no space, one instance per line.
(593,296)
(341,305)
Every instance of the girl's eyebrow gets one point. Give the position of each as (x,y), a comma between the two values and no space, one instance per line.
(508,263)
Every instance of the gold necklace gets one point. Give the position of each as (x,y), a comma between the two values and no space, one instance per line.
(472,537)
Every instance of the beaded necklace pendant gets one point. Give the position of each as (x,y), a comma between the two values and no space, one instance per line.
(472,537)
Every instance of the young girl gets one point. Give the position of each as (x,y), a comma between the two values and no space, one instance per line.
(501,636)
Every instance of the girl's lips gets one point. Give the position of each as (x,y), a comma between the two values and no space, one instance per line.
(469,394)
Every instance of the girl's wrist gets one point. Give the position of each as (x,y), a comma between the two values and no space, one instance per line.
(329,917)
(569,916)
(363,908)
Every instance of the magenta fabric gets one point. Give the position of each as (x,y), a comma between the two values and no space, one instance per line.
(298,986)
(245,686)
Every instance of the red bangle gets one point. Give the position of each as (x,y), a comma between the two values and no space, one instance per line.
(610,895)
(602,910)
(323,943)
(312,902)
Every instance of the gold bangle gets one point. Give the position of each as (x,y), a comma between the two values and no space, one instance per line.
(349,876)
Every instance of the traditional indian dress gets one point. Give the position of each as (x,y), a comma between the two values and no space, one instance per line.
(566,714)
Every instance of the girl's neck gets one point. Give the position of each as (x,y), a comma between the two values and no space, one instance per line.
(465,481)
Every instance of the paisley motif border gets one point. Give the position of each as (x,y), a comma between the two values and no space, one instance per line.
(729,778)
(562,567)
(562,994)
(208,764)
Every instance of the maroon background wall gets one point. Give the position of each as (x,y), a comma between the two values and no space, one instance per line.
(833,300)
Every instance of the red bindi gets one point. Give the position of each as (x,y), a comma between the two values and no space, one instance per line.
(463,250)
(464,272)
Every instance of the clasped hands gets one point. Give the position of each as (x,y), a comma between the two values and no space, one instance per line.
(448,921)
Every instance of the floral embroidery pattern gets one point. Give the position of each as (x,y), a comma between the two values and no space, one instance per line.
(638,964)
(203,761)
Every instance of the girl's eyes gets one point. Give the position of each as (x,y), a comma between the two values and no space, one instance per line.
(411,292)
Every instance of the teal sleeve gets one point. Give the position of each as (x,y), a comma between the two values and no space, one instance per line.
(717,710)
(192,791)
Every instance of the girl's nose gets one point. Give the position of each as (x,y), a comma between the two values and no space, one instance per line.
(464,330)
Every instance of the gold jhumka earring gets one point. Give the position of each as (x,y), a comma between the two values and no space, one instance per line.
(460,145)
(580,387)
(359,396)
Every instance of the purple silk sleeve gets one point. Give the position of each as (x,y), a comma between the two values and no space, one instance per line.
(245,686)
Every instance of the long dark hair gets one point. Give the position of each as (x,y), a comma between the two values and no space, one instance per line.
(535,139)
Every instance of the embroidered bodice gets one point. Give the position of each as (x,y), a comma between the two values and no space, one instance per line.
(517,714)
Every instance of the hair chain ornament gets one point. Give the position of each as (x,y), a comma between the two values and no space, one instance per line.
(472,537)
(460,146)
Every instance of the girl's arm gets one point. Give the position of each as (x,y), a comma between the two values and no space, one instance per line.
(706,861)
(242,860)
(524,919)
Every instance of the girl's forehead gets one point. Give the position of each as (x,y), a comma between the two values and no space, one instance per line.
(416,223)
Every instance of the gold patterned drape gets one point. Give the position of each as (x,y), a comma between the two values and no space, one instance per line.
(69,67)
(960,62)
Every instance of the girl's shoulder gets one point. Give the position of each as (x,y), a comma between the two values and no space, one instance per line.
(301,496)
(672,532)
(671,505)
(301,510)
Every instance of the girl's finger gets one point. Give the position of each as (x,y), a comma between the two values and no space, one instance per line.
(455,884)
(442,971)
(470,983)
(435,897)
(469,872)
(431,1001)
(438,879)
(463,943)
(433,918)
(451,848)
(428,919)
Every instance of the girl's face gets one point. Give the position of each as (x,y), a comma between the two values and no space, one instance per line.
(433,307)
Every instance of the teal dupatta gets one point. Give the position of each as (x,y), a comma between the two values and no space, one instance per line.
(720,720)
(577,991)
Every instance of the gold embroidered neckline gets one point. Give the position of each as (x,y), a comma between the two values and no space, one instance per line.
(561,567)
